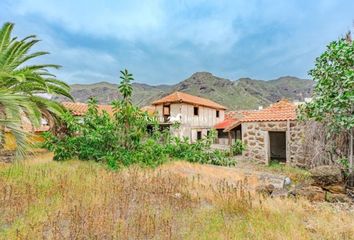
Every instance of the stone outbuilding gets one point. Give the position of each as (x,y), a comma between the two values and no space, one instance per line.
(272,133)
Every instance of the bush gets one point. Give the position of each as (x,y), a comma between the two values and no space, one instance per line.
(238,147)
(198,152)
(124,139)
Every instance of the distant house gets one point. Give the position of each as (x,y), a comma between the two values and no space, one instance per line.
(272,133)
(79,109)
(196,115)
(34,137)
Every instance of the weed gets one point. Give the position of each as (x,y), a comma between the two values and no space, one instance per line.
(82,200)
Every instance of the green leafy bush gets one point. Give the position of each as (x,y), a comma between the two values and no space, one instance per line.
(238,147)
(124,138)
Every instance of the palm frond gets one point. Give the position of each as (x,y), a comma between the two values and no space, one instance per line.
(20,83)
(5,34)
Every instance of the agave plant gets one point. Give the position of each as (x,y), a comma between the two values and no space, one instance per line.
(23,85)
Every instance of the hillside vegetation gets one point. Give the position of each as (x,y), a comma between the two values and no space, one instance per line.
(83,200)
(244,93)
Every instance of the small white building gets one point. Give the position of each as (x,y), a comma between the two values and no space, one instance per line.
(196,115)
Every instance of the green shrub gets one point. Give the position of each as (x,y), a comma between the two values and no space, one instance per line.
(238,147)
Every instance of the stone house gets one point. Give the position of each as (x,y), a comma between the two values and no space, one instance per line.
(270,134)
(196,115)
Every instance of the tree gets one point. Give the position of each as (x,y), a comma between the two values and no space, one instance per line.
(26,82)
(333,96)
(12,106)
(128,136)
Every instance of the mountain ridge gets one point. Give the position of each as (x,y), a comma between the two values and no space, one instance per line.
(243,93)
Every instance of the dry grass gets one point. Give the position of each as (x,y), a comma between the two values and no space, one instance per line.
(82,200)
(296,174)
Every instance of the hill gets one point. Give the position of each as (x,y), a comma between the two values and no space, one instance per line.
(244,93)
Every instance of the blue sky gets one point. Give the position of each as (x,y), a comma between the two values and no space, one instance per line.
(164,42)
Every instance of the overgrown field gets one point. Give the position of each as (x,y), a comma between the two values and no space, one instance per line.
(83,200)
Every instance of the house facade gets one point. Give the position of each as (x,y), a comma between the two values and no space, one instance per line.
(196,115)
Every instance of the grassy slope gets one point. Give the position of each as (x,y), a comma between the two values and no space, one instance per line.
(240,94)
(75,200)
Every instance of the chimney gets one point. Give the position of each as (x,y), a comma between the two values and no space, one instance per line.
(260,107)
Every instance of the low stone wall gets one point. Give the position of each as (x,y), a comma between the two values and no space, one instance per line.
(7,156)
(256,137)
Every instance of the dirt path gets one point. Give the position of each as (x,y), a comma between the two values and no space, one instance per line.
(209,174)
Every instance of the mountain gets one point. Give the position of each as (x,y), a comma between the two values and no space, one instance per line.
(244,93)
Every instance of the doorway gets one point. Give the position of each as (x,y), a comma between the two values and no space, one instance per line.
(199,135)
(277,146)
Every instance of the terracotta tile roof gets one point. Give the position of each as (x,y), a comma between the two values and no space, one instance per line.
(232,119)
(149,109)
(226,123)
(79,109)
(280,111)
(187,98)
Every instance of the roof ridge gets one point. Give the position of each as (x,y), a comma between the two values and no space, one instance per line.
(179,96)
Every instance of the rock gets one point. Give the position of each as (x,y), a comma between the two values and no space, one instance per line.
(350,192)
(312,193)
(326,175)
(287,181)
(343,198)
(265,189)
(350,180)
(279,192)
(336,189)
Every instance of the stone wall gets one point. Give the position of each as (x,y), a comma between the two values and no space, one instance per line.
(256,137)
(7,156)
(297,153)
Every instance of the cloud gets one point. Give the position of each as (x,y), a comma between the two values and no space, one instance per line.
(166,41)
(123,20)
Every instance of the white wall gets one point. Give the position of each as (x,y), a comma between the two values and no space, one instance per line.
(190,123)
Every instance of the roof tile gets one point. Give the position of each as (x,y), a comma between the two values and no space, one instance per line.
(187,98)
(79,109)
(280,111)
(232,119)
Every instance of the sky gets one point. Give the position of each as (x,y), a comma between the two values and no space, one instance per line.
(164,42)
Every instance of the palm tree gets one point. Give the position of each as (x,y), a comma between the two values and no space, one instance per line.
(26,84)
(12,108)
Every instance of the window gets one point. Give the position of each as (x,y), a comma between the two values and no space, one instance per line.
(196,111)
(199,135)
(166,110)
(217,113)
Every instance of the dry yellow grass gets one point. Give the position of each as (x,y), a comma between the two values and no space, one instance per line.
(83,200)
